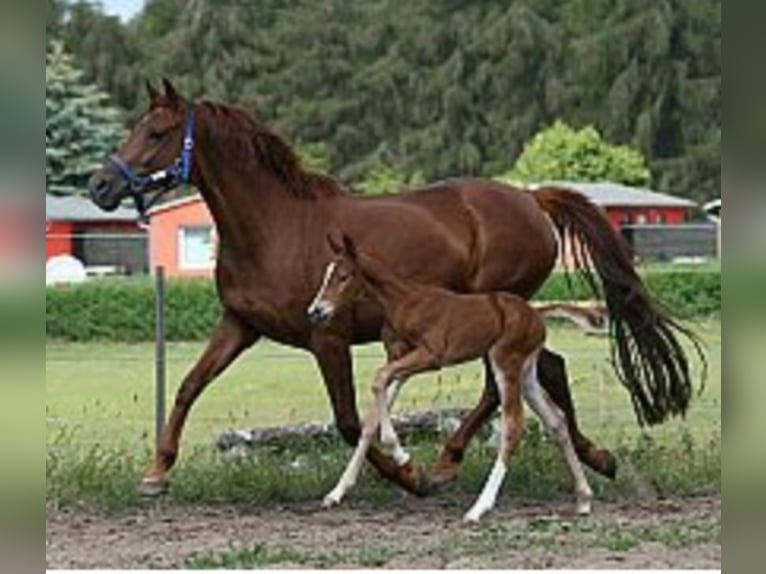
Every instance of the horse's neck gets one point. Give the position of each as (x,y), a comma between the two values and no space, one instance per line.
(250,205)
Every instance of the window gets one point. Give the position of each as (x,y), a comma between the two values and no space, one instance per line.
(196,249)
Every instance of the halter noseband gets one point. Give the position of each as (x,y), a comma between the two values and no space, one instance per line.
(162,180)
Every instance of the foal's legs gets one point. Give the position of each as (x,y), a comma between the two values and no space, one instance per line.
(334,359)
(229,339)
(508,373)
(556,424)
(401,369)
(553,378)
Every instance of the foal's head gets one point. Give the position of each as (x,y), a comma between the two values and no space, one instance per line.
(342,282)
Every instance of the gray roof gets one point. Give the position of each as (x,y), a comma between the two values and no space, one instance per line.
(77,208)
(609,194)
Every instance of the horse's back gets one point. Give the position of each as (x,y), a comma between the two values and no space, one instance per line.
(514,246)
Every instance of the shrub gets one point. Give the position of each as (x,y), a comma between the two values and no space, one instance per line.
(123,309)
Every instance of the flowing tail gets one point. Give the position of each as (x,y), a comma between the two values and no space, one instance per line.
(649,360)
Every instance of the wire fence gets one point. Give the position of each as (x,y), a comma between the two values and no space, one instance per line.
(105,394)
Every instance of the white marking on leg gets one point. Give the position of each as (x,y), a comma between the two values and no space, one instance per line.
(488,496)
(556,424)
(317,303)
(353,468)
(388,437)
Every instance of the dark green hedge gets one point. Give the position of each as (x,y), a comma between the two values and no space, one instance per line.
(123,310)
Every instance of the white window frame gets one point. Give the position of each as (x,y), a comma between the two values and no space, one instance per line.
(183,263)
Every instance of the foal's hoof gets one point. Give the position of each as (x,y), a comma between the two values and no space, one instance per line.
(330,500)
(153,487)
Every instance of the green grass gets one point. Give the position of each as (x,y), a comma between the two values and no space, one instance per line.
(99,404)
(105,392)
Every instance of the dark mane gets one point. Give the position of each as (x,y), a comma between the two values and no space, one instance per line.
(253,141)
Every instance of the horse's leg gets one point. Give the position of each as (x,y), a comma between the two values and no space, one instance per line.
(508,373)
(555,422)
(452,452)
(334,359)
(229,339)
(552,375)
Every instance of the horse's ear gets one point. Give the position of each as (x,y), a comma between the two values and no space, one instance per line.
(335,242)
(349,247)
(170,91)
(152,92)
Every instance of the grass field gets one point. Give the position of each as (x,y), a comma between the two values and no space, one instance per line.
(99,415)
(104,393)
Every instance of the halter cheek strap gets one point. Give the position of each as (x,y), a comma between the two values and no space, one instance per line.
(162,180)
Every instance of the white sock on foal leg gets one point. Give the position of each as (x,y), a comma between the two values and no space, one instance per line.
(488,496)
(556,424)
(388,437)
(352,470)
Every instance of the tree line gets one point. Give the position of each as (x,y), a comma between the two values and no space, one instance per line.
(433,88)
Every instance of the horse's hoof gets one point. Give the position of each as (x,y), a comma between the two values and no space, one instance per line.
(443,474)
(330,500)
(584,505)
(153,487)
(421,482)
(609,464)
(604,463)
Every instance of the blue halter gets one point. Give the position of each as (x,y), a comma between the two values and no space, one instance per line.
(162,180)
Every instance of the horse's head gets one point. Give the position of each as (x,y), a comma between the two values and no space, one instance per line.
(342,283)
(156,156)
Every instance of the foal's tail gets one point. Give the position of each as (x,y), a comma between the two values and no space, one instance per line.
(590,317)
(648,358)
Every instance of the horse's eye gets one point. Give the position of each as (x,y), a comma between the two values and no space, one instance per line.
(156,136)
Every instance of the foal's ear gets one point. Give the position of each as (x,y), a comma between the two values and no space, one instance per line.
(152,92)
(170,91)
(335,241)
(349,247)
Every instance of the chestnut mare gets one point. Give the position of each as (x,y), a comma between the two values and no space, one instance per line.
(429,328)
(468,235)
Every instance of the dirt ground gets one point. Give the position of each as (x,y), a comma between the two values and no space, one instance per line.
(410,534)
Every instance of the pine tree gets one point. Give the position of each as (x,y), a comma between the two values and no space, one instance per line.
(80,127)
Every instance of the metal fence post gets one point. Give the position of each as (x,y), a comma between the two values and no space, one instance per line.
(159,410)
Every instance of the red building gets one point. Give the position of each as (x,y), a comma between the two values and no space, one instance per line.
(108,240)
(182,238)
(634,206)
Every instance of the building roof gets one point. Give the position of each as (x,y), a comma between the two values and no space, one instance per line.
(608,194)
(78,208)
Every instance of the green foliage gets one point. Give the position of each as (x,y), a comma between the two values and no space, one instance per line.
(445,88)
(80,128)
(560,153)
(104,477)
(382,180)
(123,310)
(687,292)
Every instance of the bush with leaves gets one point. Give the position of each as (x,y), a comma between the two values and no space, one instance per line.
(560,153)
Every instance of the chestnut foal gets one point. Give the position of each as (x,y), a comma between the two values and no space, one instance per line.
(430,327)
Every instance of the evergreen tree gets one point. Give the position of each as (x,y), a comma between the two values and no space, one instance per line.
(80,127)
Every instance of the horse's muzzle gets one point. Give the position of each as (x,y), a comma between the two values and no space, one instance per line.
(319,314)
